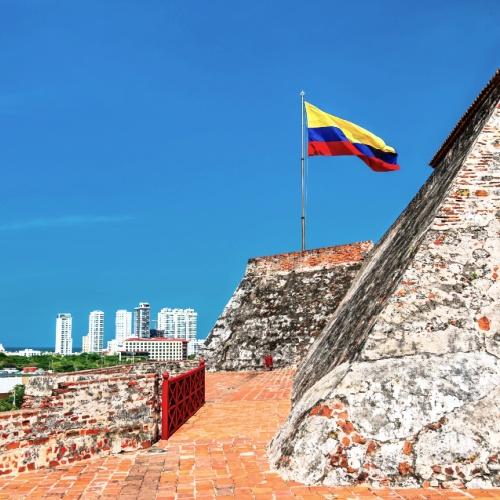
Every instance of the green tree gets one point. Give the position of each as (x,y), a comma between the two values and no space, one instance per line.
(14,400)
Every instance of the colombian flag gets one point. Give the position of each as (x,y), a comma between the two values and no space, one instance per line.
(332,136)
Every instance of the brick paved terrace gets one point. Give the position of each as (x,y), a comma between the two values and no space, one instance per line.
(220,452)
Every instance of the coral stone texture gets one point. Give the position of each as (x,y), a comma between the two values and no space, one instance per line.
(281,306)
(402,385)
(70,417)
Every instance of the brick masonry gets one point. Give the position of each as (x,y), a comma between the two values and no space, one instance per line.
(219,453)
(402,386)
(70,417)
(281,305)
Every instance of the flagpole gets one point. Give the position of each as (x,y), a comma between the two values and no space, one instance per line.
(302,175)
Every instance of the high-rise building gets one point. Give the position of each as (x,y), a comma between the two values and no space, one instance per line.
(142,320)
(165,322)
(96,331)
(85,343)
(64,340)
(123,326)
(178,323)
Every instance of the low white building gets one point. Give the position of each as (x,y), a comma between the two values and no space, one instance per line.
(158,349)
(24,352)
(113,347)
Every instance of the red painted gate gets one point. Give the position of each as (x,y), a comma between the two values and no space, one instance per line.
(182,396)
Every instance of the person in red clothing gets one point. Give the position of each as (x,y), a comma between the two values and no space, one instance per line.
(268,362)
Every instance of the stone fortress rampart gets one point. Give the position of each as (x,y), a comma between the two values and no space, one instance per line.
(281,306)
(74,416)
(402,385)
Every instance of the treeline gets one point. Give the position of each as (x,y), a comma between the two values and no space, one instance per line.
(14,400)
(59,363)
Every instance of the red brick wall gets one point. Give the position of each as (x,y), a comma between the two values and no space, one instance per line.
(319,258)
(71,417)
(475,190)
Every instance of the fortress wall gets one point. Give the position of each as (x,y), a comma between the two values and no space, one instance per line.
(317,259)
(436,204)
(402,386)
(71,417)
(281,305)
(40,390)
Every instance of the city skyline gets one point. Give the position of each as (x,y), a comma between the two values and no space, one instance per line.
(181,323)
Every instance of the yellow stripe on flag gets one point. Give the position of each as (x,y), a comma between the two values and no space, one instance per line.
(356,134)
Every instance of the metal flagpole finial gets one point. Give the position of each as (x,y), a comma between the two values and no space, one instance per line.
(302,93)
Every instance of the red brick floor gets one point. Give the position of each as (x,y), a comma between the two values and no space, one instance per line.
(219,453)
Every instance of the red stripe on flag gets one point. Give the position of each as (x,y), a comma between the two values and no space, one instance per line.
(334,148)
(342,148)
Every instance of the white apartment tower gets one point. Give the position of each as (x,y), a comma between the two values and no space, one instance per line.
(123,326)
(64,341)
(142,320)
(178,323)
(165,322)
(96,331)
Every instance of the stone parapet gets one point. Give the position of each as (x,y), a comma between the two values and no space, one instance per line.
(74,416)
(310,260)
(38,388)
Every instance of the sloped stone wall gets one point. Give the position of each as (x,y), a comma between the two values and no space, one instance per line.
(281,305)
(402,385)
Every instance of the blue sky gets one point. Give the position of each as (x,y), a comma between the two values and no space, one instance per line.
(148,149)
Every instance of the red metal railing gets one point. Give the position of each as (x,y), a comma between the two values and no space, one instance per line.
(182,396)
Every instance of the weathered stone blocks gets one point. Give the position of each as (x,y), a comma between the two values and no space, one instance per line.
(74,416)
(281,305)
(402,386)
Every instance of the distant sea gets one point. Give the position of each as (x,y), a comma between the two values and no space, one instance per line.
(50,349)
